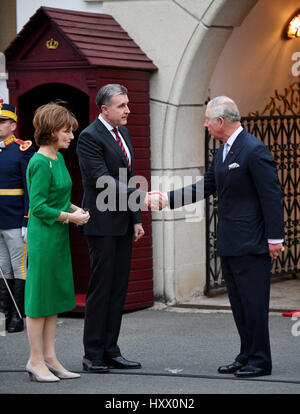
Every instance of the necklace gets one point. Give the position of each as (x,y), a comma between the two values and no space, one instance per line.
(48,153)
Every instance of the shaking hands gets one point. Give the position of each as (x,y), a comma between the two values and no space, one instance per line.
(155,200)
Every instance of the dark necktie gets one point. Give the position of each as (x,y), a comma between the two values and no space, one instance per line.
(119,141)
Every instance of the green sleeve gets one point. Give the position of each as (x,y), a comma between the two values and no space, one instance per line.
(39,178)
(60,156)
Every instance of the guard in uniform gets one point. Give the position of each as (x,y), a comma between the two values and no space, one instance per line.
(14,205)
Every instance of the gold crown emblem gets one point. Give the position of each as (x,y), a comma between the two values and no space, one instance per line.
(52,44)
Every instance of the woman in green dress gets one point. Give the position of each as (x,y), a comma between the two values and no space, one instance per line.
(49,287)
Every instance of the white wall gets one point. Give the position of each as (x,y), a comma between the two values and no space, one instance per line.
(3,90)
(3,77)
(26,8)
(256,60)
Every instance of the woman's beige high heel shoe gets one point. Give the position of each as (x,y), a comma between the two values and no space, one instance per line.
(34,376)
(62,374)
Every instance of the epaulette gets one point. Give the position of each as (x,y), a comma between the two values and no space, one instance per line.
(9,141)
(24,145)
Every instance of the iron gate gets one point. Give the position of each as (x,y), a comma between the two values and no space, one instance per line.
(281,134)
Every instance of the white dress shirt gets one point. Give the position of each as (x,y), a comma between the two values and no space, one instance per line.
(110,128)
(233,137)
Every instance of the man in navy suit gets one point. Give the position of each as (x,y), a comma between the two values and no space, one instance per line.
(106,161)
(250,229)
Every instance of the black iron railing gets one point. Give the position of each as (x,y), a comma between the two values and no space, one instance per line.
(281,134)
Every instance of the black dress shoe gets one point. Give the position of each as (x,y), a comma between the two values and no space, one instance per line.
(248,371)
(122,363)
(230,369)
(97,367)
(16,324)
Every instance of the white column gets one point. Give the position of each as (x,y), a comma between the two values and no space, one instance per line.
(3,78)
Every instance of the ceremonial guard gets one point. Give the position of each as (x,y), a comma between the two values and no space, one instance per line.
(14,205)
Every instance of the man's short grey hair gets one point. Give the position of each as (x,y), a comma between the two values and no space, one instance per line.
(106,93)
(224,107)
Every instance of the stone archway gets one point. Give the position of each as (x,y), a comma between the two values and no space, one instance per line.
(184,118)
(184,39)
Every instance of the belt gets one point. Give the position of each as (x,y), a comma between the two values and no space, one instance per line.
(11,191)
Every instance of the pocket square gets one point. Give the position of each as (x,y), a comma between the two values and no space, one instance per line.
(232,166)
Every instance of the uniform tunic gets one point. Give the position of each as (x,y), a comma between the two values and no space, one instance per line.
(13,190)
(14,206)
(49,287)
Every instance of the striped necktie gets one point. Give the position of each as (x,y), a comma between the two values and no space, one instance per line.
(225,150)
(120,143)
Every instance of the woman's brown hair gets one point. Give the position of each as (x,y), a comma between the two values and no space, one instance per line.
(50,118)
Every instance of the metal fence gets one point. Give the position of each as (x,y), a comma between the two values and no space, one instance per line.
(281,134)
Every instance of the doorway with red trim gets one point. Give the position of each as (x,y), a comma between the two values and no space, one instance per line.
(78,103)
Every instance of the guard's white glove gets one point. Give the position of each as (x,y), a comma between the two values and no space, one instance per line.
(24,234)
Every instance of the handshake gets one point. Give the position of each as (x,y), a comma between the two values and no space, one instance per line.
(155,200)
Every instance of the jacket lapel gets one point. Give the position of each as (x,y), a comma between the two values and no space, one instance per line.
(219,168)
(109,139)
(232,156)
(235,149)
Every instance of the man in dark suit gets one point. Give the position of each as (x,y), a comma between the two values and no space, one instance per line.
(250,229)
(106,161)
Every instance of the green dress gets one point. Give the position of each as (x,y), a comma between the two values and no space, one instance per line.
(49,287)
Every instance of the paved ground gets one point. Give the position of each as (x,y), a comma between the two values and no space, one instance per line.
(180,350)
(285,296)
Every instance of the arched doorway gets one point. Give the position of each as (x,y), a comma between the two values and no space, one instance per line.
(183,148)
(177,95)
(78,103)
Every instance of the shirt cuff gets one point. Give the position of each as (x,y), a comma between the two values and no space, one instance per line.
(167,198)
(275,241)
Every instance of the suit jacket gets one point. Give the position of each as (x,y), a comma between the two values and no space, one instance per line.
(100,159)
(250,209)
